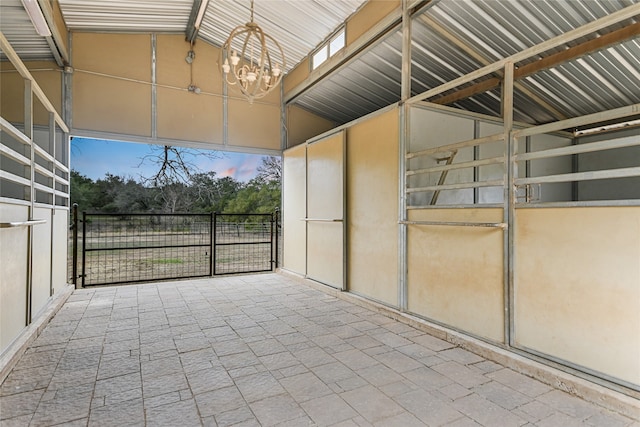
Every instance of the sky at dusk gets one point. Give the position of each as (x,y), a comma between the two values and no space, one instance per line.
(94,158)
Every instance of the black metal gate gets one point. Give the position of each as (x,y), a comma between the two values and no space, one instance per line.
(119,248)
(244,243)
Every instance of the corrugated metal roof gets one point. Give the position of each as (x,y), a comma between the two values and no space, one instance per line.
(493,30)
(17,28)
(299,26)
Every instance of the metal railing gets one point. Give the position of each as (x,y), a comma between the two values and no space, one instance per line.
(119,248)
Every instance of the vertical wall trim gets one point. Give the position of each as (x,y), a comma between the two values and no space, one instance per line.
(403,138)
(52,147)
(510,149)
(28,131)
(154,88)
(476,156)
(406,52)
(283,120)
(67,92)
(345,219)
(225,107)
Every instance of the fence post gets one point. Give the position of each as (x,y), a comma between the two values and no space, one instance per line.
(74,246)
(215,237)
(273,260)
(276,216)
(212,233)
(84,245)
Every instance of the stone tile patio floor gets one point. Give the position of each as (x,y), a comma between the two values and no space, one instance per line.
(262,350)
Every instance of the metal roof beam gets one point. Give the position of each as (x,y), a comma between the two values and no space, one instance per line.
(484,61)
(586,48)
(195,19)
(585,30)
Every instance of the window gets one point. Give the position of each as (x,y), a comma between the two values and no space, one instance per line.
(328,49)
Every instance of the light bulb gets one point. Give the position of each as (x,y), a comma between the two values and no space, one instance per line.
(251,76)
(234,58)
(225,67)
(276,71)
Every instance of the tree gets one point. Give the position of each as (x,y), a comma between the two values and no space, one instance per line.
(270,170)
(175,164)
(82,191)
(256,196)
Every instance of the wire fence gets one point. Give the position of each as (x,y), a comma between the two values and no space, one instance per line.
(243,243)
(128,248)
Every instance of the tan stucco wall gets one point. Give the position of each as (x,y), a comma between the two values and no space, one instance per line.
(577,286)
(455,274)
(112,93)
(368,16)
(303,125)
(112,83)
(182,114)
(372,208)
(48,76)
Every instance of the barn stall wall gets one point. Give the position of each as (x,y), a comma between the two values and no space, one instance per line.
(34,200)
(575,265)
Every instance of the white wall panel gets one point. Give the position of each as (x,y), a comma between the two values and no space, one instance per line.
(294,209)
(14,243)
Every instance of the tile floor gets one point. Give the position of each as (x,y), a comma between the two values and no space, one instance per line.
(262,350)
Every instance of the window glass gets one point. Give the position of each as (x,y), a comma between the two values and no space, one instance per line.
(336,43)
(319,57)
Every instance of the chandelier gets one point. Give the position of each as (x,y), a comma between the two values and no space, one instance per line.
(252,64)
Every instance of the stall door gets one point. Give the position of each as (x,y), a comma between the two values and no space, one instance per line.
(325,211)
(294,207)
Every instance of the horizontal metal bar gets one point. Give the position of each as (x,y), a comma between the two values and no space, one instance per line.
(616,113)
(28,223)
(466,206)
(629,141)
(321,220)
(581,176)
(94,214)
(14,178)
(241,272)
(10,129)
(457,145)
(146,279)
(61,180)
(243,214)
(61,194)
(43,153)
(244,243)
(64,168)
(461,186)
(133,248)
(44,171)
(463,165)
(43,188)
(581,204)
(457,224)
(12,154)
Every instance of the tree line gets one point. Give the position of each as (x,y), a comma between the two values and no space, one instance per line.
(201,192)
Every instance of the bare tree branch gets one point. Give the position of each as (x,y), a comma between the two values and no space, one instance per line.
(175,164)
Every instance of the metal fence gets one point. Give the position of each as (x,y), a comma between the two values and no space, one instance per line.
(117,248)
(244,243)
